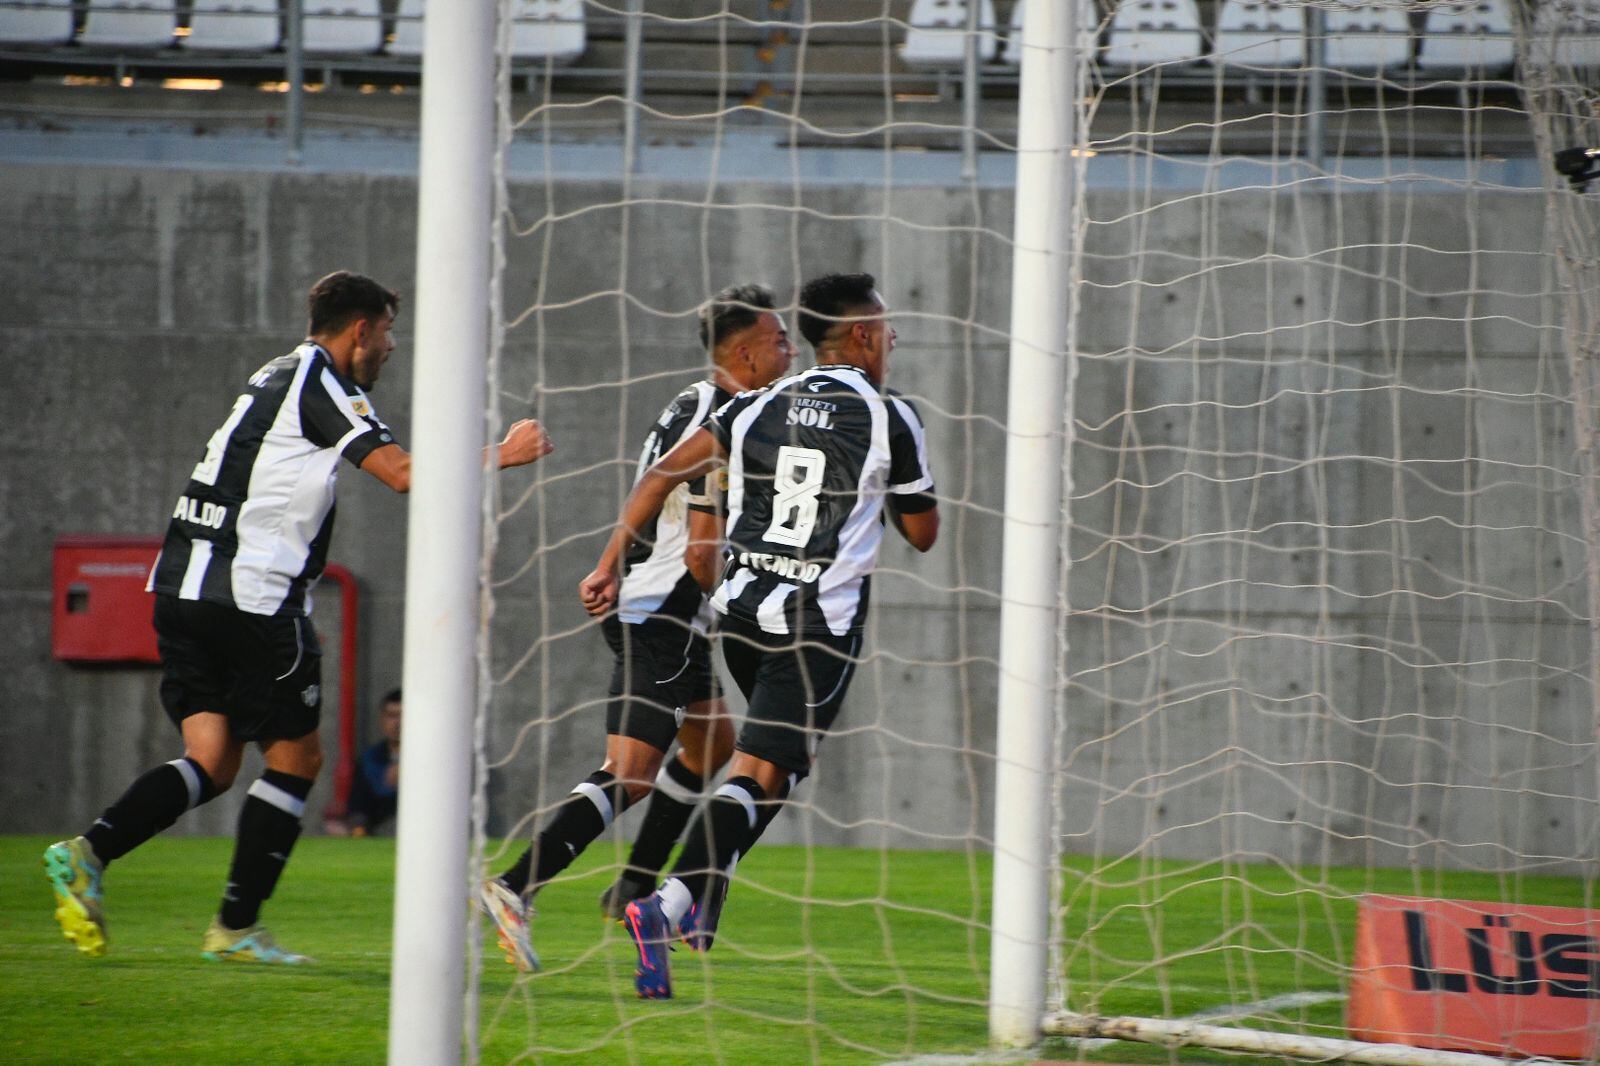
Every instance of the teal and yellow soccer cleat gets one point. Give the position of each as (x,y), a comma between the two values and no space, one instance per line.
(74,875)
(254,944)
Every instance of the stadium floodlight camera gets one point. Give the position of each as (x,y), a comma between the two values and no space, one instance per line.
(1579,166)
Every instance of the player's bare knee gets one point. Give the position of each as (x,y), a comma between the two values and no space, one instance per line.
(301,757)
(308,761)
(221,767)
(636,790)
(719,748)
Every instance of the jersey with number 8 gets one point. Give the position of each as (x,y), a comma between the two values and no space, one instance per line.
(811,459)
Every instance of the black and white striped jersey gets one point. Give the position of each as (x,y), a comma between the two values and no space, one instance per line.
(810,460)
(251,529)
(656,581)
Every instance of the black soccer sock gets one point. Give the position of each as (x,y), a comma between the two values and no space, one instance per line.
(719,835)
(676,795)
(269,824)
(766,811)
(150,804)
(769,810)
(583,816)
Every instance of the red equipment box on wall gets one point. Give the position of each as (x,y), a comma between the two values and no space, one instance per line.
(100,612)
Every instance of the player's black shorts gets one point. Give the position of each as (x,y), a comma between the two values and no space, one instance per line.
(263,671)
(795,685)
(662,666)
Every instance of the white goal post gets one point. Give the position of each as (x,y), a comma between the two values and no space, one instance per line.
(1042,299)
(445,534)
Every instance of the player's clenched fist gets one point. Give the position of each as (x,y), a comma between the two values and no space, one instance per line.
(526,442)
(598,591)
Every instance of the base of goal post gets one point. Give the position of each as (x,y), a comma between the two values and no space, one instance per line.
(1174,1033)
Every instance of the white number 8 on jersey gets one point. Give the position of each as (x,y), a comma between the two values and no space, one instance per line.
(796,483)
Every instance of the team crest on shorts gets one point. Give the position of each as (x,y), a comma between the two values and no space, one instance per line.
(310,696)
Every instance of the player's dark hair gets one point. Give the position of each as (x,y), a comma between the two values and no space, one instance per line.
(343,296)
(392,696)
(736,308)
(825,300)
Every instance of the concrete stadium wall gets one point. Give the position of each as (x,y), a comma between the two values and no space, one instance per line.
(148,295)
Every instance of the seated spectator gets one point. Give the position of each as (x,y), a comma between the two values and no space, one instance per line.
(376,787)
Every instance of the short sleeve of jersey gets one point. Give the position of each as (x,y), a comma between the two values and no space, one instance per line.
(721,421)
(332,418)
(909,471)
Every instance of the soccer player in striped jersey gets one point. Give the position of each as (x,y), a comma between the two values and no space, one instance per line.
(240,660)
(815,463)
(663,685)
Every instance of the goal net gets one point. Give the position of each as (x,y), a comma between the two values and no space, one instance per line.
(1325,621)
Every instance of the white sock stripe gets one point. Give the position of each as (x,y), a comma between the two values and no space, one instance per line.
(597,796)
(191,780)
(740,793)
(267,792)
(675,900)
(669,784)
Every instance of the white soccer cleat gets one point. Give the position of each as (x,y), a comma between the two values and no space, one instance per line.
(510,916)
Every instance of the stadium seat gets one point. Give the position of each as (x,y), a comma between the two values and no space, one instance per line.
(342,26)
(233,26)
(1367,37)
(1475,36)
(130,23)
(1088,32)
(50,22)
(407,29)
(547,29)
(1566,33)
(938,30)
(1260,33)
(1149,32)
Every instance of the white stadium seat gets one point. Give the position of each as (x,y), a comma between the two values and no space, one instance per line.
(937,37)
(1567,34)
(49,22)
(1473,36)
(1367,37)
(1149,32)
(547,29)
(130,23)
(233,26)
(1088,32)
(1260,33)
(341,26)
(407,29)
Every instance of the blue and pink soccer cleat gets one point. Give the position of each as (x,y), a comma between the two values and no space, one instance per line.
(647,925)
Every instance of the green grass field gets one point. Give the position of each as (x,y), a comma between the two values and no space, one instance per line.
(889,961)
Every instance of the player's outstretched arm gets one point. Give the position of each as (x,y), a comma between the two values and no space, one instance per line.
(390,464)
(525,442)
(697,455)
